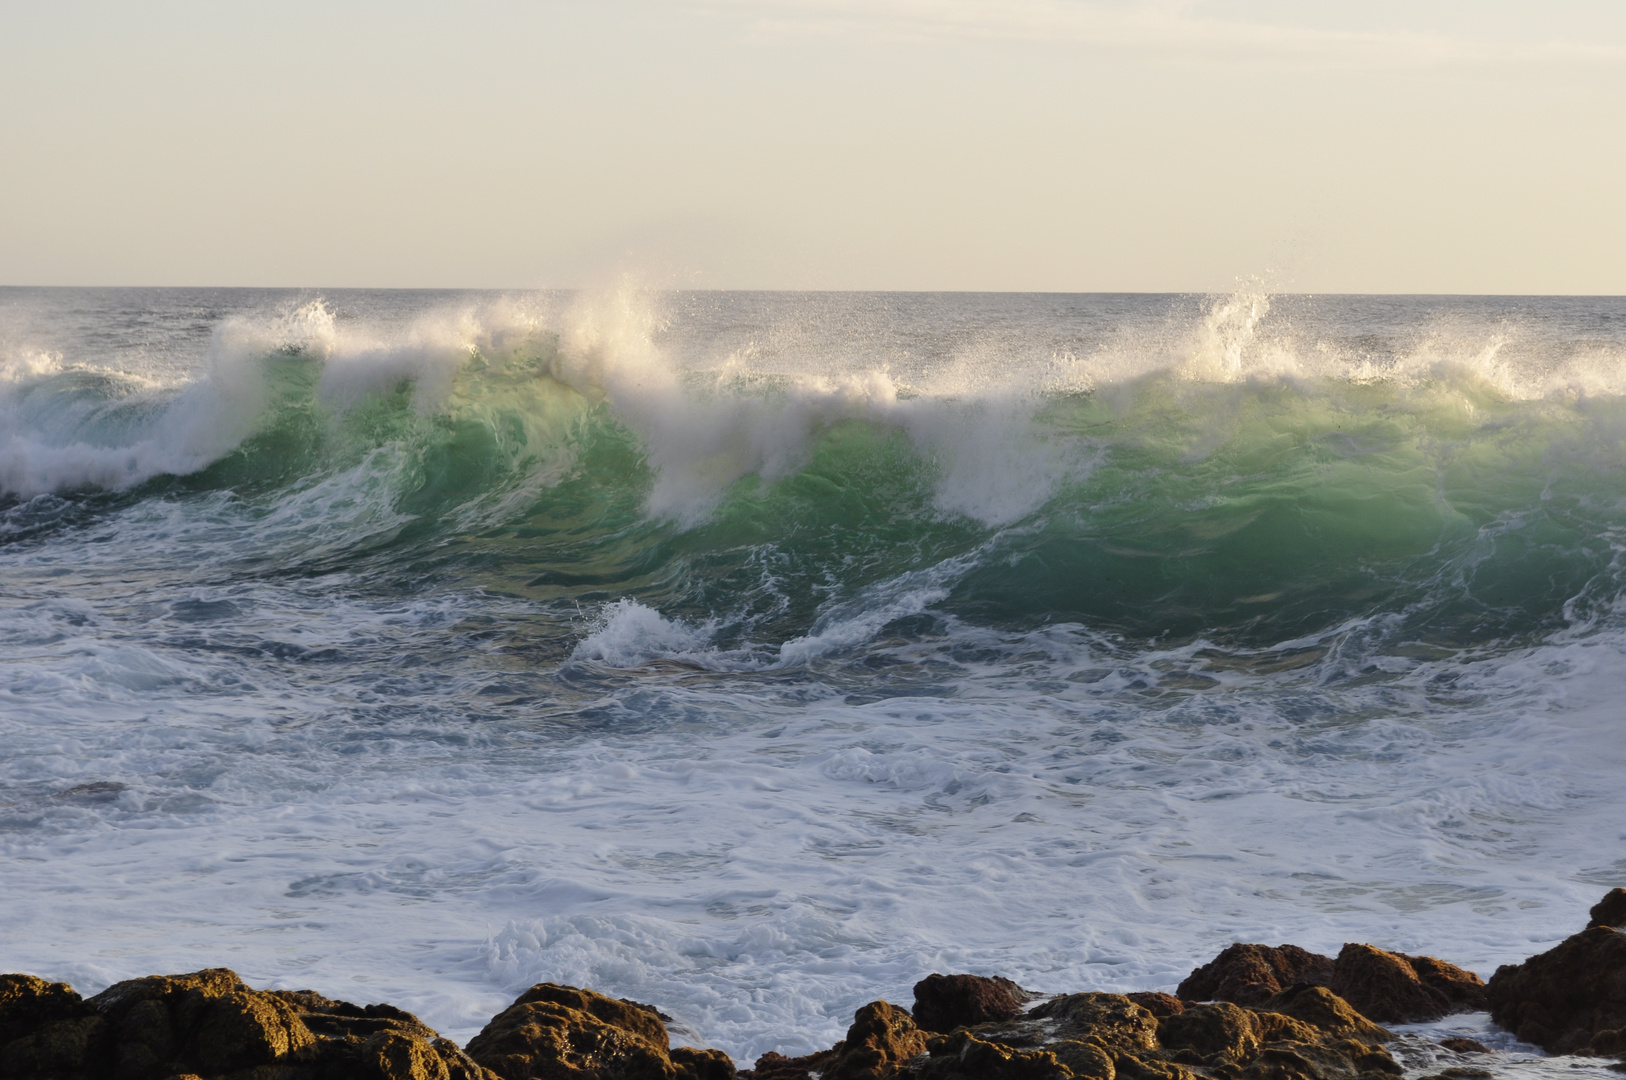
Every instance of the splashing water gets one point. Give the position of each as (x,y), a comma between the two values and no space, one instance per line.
(756,654)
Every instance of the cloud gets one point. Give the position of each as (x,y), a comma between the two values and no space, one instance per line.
(1166,27)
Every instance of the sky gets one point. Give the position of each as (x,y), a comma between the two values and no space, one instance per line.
(1437,146)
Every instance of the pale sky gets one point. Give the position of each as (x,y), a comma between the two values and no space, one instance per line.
(1465,146)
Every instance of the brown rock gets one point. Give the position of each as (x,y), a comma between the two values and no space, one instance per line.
(1462,988)
(1337,1059)
(772,1066)
(1248,974)
(118,999)
(1610,911)
(1215,1035)
(1569,999)
(1465,1046)
(1158,1004)
(1085,1059)
(1394,988)
(963,1056)
(1326,1012)
(244,1029)
(1130,1067)
(206,1022)
(209,1024)
(57,1048)
(1274,1027)
(945,1002)
(379,1042)
(400,1056)
(1114,1021)
(340,1019)
(1253,1044)
(554,1032)
(28,1003)
(882,1039)
(702,1064)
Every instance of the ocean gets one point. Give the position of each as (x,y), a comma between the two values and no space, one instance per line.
(756,654)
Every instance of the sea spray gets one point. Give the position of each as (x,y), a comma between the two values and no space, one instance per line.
(756,654)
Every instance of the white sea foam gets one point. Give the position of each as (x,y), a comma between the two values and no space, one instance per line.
(229,744)
(763,874)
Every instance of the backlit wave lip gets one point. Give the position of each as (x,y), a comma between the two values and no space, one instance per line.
(1222,475)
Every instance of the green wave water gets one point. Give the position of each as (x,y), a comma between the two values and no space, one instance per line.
(755,654)
(1251,510)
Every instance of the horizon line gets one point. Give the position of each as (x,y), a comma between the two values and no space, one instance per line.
(826,291)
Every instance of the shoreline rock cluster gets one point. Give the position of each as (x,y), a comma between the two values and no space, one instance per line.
(1254,1012)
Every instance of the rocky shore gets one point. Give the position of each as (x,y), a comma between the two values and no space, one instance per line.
(1255,1012)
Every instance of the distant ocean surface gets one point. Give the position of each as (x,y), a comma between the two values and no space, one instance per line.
(756,654)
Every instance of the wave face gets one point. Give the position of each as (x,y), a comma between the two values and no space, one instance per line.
(759,645)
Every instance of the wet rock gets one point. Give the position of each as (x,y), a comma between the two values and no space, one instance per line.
(1391,987)
(1610,911)
(1570,999)
(1465,1046)
(881,1040)
(945,1002)
(703,1064)
(209,1024)
(963,1056)
(1085,1059)
(1328,1013)
(1334,1059)
(379,1042)
(554,1032)
(1158,1004)
(401,1056)
(1217,1034)
(1112,1020)
(1248,974)
(772,1066)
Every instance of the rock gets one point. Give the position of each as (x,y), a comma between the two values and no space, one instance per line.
(1213,1035)
(378,1042)
(58,1048)
(1610,911)
(351,1041)
(1570,999)
(1394,988)
(1334,1059)
(1248,974)
(1085,1059)
(242,1030)
(28,1003)
(46,1028)
(945,1002)
(1158,1004)
(1326,1012)
(703,1064)
(963,1056)
(1096,1036)
(882,1038)
(206,1022)
(1465,1046)
(209,1024)
(554,1032)
(772,1066)
(1112,1020)
(402,1057)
